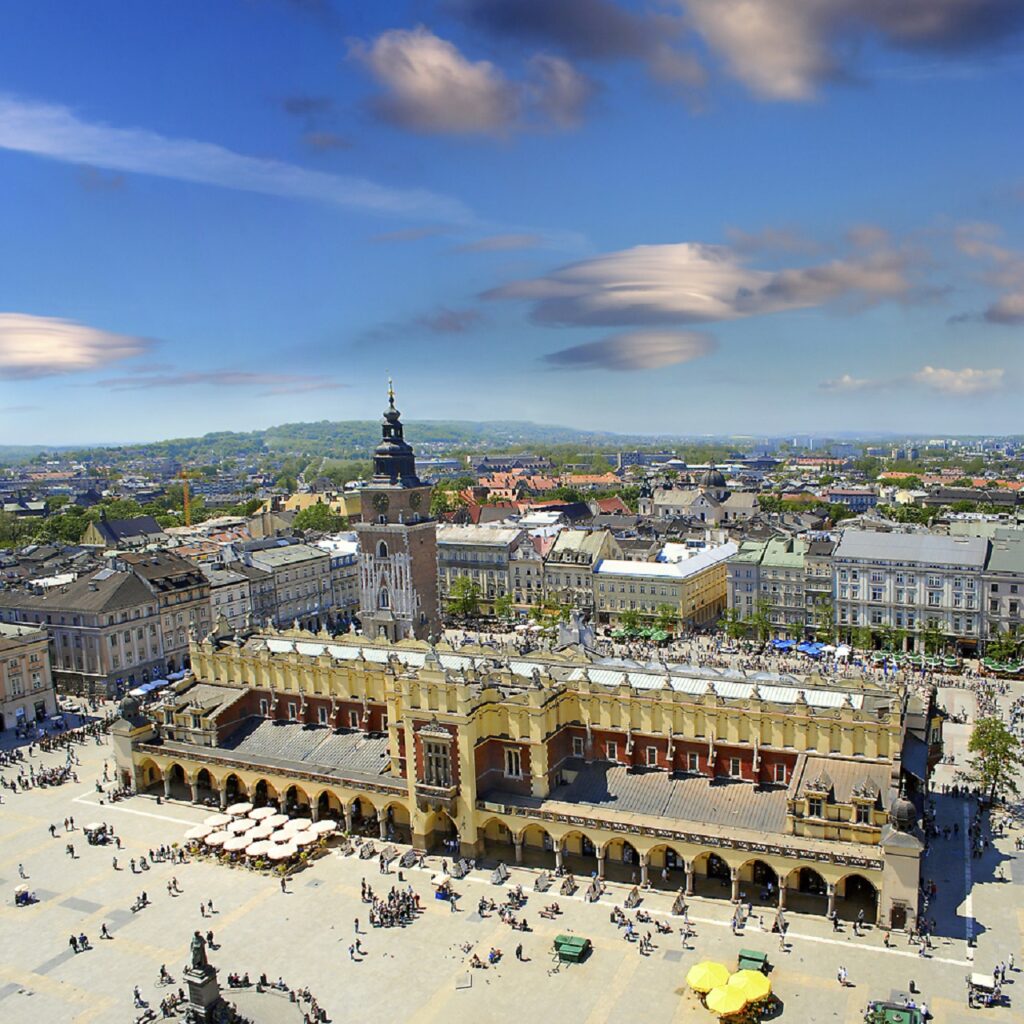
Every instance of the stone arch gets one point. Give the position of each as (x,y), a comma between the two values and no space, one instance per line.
(441,833)
(294,799)
(712,875)
(667,867)
(397,820)
(329,805)
(234,787)
(382,549)
(759,882)
(148,773)
(856,893)
(264,792)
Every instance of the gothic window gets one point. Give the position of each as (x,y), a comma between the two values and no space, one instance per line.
(437,764)
(382,550)
(385,599)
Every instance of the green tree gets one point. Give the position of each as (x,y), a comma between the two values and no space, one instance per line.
(1003,646)
(630,619)
(503,606)
(823,617)
(997,758)
(464,597)
(761,620)
(962,481)
(933,637)
(320,518)
(666,617)
(733,624)
(863,638)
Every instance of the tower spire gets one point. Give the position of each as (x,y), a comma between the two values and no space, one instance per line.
(391,392)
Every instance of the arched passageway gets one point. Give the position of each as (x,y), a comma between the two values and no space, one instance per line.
(857,899)
(712,877)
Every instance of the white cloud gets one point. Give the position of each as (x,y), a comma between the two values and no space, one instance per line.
(635,350)
(270,383)
(56,132)
(430,86)
(39,346)
(689,282)
(1006,271)
(960,382)
(785,49)
(847,382)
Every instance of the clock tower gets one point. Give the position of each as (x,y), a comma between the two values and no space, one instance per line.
(397,542)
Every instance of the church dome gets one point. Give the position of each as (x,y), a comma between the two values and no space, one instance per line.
(712,479)
(903,814)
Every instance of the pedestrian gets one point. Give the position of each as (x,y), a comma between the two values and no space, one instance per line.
(885,939)
(355,925)
(283,889)
(73,943)
(209,940)
(104,934)
(71,850)
(137,996)
(209,907)
(351,952)
(116,868)
(72,820)
(202,906)
(519,951)
(21,871)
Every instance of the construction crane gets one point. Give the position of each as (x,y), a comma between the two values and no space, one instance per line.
(183,476)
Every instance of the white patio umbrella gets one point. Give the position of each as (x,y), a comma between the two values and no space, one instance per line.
(217,820)
(236,810)
(259,813)
(217,838)
(199,832)
(240,825)
(282,851)
(94,827)
(294,825)
(305,838)
(321,828)
(261,831)
(236,844)
(277,820)
(258,849)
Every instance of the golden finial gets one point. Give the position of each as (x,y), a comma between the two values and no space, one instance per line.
(391,392)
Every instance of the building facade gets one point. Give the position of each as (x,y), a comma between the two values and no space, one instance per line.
(397,542)
(26,685)
(301,576)
(569,566)
(733,788)
(482,554)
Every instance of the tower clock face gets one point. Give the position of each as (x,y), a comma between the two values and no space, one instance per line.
(415,500)
(380,502)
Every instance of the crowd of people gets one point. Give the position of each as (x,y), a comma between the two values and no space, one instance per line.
(397,909)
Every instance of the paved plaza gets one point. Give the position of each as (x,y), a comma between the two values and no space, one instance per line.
(419,973)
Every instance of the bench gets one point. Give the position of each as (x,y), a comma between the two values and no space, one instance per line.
(752,960)
(499,876)
(543,882)
(633,899)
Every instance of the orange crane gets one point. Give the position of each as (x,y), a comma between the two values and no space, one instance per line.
(183,476)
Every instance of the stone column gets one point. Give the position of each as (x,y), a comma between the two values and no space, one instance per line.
(558,856)
(735,875)
(517,843)
(782,897)
(383,827)
(644,865)
(314,811)
(600,864)
(167,787)
(831,899)
(223,793)
(195,792)
(348,818)
(689,878)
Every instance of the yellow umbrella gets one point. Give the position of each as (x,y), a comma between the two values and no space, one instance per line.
(753,984)
(725,1000)
(706,975)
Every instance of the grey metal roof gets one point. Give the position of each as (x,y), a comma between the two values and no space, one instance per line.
(927,548)
(685,798)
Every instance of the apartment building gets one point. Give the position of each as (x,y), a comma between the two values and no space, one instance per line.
(1003,584)
(910,582)
(343,550)
(481,553)
(303,590)
(26,685)
(568,569)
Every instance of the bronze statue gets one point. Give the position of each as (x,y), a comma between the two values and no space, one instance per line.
(199,961)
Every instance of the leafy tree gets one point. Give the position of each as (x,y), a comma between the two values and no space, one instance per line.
(733,624)
(464,597)
(823,617)
(761,620)
(997,758)
(630,619)
(503,606)
(666,617)
(320,518)
(14,531)
(1004,646)
(962,481)
(933,638)
(863,638)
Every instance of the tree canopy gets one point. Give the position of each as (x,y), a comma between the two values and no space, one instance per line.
(997,758)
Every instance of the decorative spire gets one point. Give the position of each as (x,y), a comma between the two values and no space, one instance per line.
(391,392)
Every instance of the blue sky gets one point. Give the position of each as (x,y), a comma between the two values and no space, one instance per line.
(691,216)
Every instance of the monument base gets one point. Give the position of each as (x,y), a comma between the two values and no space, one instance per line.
(204,999)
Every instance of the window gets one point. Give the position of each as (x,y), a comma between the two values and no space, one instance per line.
(353,719)
(734,767)
(863,814)
(322,715)
(577,746)
(384,722)
(437,764)
(815,807)
(196,722)
(652,757)
(291,711)
(693,762)
(264,708)
(612,750)
(385,599)
(780,773)
(382,550)
(513,763)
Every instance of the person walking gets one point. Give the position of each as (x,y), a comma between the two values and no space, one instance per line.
(519,952)
(104,934)
(21,871)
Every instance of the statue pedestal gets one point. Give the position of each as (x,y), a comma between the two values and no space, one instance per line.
(203,994)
